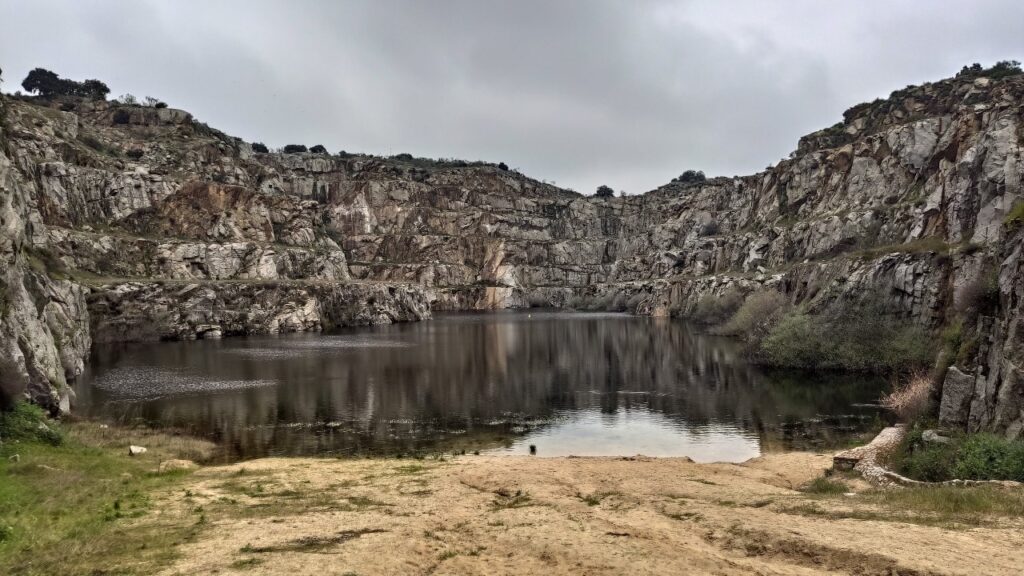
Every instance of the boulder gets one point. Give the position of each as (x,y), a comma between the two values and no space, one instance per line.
(957,390)
(136,450)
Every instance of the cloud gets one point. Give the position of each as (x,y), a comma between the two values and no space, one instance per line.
(581,92)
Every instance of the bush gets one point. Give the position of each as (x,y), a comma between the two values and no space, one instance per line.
(971,457)
(294,149)
(691,177)
(990,457)
(260,148)
(849,335)
(759,314)
(28,422)
(714,310)
(502,166)
(912,398)
(604,192)
(318,149)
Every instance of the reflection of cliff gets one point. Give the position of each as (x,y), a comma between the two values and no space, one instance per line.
(472,373)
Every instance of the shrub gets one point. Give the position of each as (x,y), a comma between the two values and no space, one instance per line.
(759,314)
(403,156)
(980,296)
(714,310)
(28,422)
(971,457)
(318,149)
(502,166)
(159,105)
(604,192)
(294,148)
(990,457)
(1015,217)
(260,147)
(691,177)
(912,398)
(849,336)
(1000,69)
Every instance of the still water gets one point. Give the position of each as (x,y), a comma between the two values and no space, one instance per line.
(567,383)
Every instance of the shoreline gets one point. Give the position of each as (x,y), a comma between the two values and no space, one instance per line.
(776,514)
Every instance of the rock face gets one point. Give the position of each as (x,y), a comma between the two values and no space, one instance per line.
(129,222)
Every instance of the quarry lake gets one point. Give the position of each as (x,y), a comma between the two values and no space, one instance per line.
(584,384)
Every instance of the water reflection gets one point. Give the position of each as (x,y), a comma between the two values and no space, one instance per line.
(585,384)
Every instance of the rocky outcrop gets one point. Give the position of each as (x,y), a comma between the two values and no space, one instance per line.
(904,200)
(184,311)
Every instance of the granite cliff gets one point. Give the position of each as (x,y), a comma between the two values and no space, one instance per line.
(130,222)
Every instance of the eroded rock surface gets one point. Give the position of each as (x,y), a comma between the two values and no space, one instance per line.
(116,214)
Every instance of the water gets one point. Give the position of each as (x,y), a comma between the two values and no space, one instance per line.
(567,383)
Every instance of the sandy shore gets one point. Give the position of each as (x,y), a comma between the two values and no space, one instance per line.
(522,515)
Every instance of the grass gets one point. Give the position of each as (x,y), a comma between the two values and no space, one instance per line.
(1015,217)
(945,506)
(73,501)
(504,500)
(823,485)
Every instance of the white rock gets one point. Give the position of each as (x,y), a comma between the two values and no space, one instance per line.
(136,450)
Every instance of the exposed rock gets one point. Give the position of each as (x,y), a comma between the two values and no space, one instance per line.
(933,437)
(197,237)
(136,450)
(957,390)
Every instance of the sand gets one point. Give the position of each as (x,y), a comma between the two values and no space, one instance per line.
(550,516)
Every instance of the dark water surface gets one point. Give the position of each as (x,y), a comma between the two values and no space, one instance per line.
(569,383)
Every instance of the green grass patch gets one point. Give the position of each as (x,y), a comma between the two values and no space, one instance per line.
(80,504)
(945,506)
(1015,217)
(967,457)
(823,485)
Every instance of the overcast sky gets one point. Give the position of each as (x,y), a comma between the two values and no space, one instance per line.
(587,92)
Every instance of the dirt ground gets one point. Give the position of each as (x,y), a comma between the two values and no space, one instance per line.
(524,515)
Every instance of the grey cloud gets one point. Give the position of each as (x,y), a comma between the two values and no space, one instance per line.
(580,92)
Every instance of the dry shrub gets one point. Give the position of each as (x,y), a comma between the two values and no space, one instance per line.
(758,315)
(911,398)
(714,310)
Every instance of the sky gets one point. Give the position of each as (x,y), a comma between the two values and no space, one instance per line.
(577,92)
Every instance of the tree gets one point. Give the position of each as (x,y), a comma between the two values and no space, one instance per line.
(691,177)
(49,85)
(128,99)
(43,82)
(94,90)
(502,166)
(153,102)
(294,148)
(260,147)
(604,192)
(318,149)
